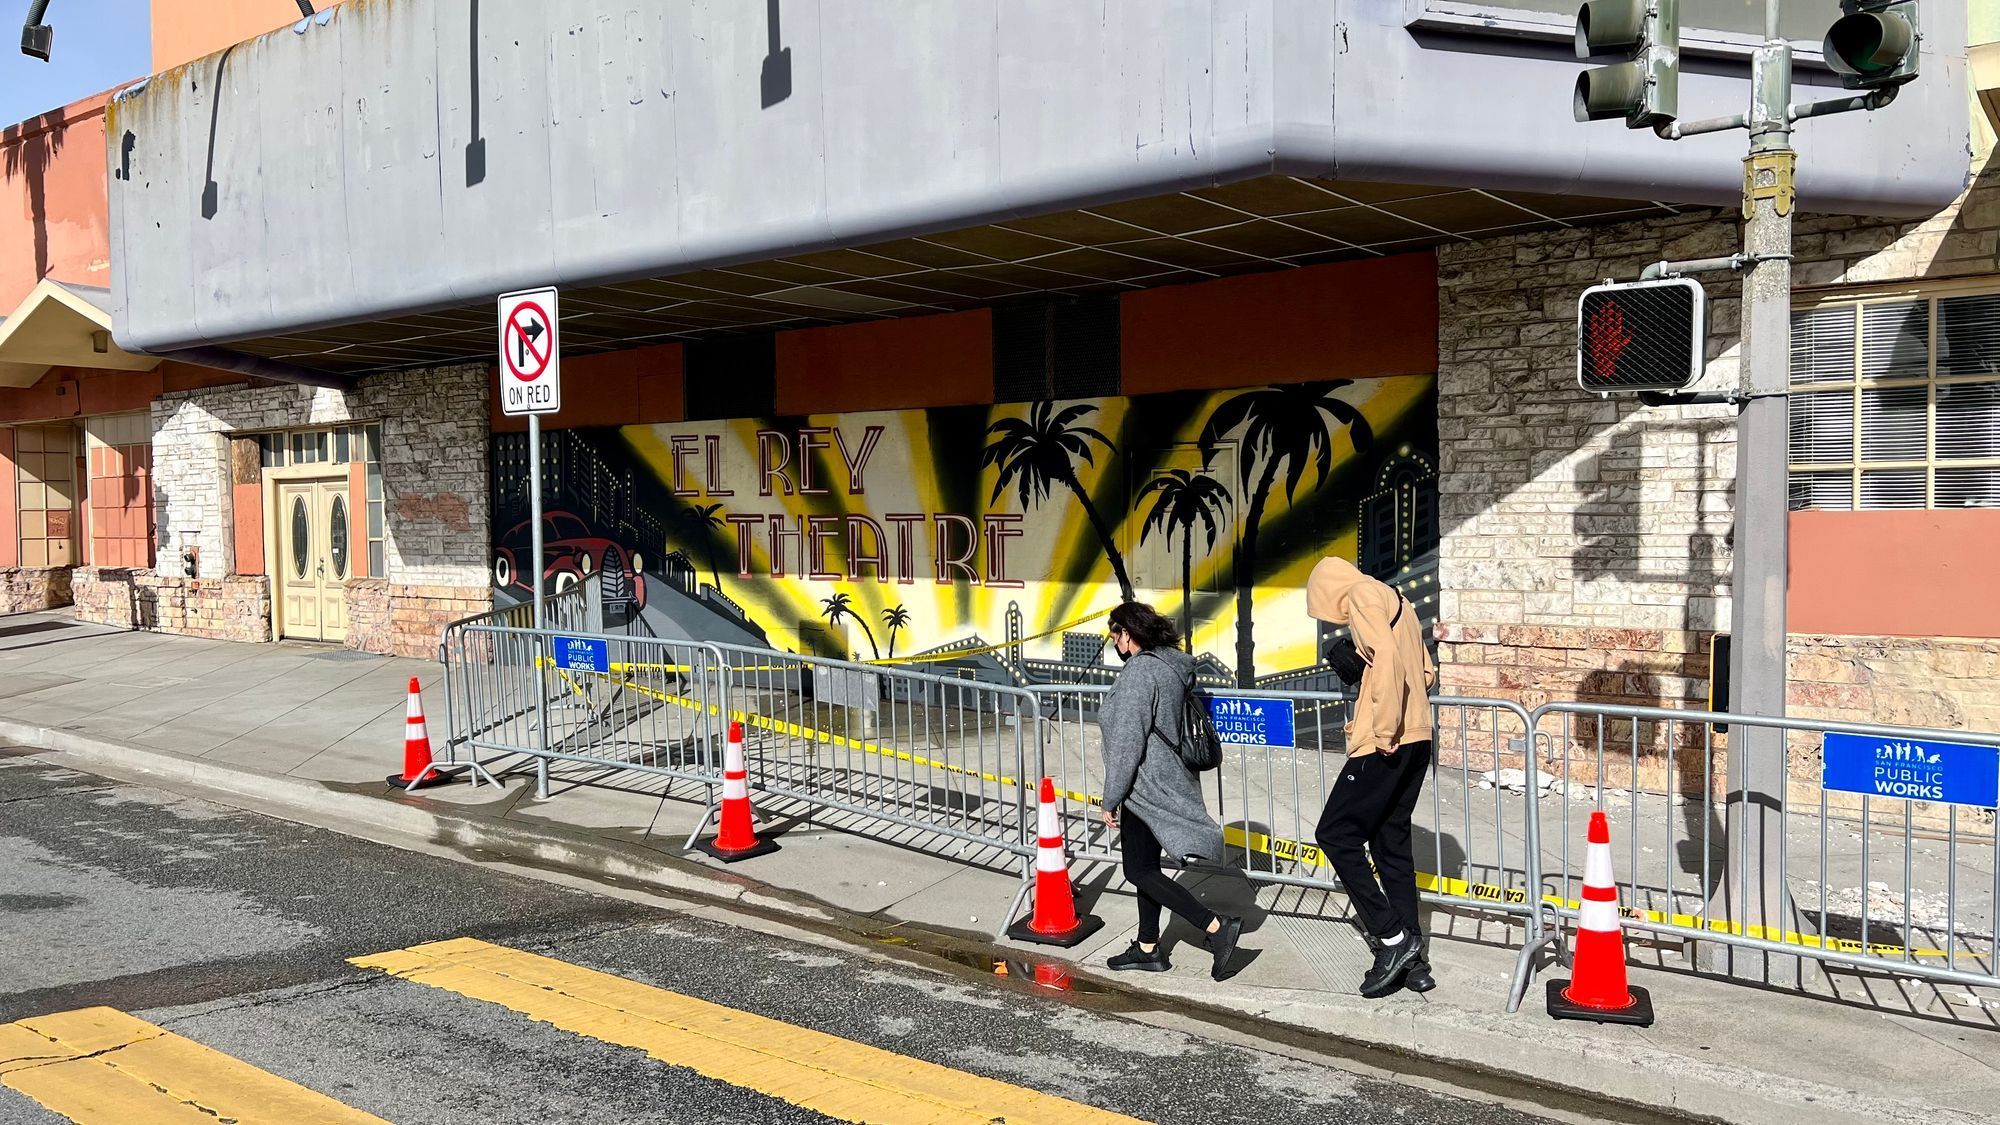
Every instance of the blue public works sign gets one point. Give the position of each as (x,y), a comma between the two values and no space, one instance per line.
(1951,773)
(1242,721)
(582,654)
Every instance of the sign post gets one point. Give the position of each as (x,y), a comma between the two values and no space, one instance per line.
(531,384)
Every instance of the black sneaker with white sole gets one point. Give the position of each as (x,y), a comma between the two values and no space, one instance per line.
(1392,965)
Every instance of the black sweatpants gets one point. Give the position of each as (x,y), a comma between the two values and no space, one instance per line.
(1141,852)
(1370,807)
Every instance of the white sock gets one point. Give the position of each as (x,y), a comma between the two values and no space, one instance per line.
(1394,941)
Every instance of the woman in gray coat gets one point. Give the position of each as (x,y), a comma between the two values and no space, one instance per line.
(1149,795)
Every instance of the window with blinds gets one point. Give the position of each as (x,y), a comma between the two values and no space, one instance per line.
(1896,403)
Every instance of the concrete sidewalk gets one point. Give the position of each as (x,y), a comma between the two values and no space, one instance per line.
(309,732)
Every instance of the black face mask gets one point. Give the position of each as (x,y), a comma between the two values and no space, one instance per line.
(1123,656)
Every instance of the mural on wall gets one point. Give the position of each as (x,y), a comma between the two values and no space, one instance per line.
(993,536)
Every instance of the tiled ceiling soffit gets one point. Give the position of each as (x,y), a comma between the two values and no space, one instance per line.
(1258,225)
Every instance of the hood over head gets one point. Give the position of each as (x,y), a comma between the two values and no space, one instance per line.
(1328,588)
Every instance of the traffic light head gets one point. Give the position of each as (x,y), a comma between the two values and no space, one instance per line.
(1608,27)
(1874,43)
(1645,89)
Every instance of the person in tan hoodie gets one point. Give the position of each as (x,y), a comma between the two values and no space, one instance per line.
(1388,753)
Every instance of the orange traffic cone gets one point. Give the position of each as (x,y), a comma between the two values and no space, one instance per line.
(1597,989)
(1053,920)
(419,772)
(734,837)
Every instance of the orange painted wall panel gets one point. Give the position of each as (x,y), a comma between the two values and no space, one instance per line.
(117,392)
(611,389)
(51,399)
(357,519)
(185,30)
(1899,574)
(1343,320)
(187,377)
(10,503)
(943,360)
(54,219)
(248,520)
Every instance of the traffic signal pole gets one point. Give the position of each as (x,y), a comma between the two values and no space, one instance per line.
(1752,891)
(1875,51)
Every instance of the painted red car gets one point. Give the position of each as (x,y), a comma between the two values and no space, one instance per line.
(572,551)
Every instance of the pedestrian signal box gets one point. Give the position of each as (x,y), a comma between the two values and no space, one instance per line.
(1641,335)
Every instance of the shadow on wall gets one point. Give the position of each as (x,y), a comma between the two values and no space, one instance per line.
(31,147)
(1615,547)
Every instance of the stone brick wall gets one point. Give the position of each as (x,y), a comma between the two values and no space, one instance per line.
(104,596)
(28,589)
(1586,549)
(434,477)
(418,615)
(368,615)
(226,609)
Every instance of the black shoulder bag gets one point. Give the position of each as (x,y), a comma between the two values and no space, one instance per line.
(1345,659)
(1199,747)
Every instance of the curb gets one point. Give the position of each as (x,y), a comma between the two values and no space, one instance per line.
(1490,1043)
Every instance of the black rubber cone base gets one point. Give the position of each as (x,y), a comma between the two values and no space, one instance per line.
(1075,935)
(761,847)
(433,778)
(1639,1013)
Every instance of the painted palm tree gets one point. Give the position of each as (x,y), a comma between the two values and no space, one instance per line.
(703,521)
(1288,428)
(840,607)
(1041,451)
(1184,500)
(896,619)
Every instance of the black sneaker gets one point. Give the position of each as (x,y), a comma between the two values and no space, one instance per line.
(1137,958)
(1392,963)
(1419,978)
(1222,943)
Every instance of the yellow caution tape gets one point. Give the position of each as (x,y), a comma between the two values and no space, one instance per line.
(1310,855)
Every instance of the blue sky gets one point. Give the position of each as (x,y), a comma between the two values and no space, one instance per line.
(98,44)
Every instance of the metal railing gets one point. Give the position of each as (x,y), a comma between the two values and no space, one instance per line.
(943,756)
(951,762)
(1477,847)
(651,708)
(1866,883)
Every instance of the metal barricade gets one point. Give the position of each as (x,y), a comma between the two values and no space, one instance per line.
(1476,843)
(464,655)
(1874,884)
(942,756)
(655,709)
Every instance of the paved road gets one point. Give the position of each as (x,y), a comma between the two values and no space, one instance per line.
(234,931)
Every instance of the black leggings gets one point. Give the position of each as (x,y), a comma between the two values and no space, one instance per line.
(1141,852)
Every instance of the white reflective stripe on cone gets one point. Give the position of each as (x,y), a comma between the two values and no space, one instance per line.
(732,758)
(1045,820)
(735,789)
(415,731)
(1598,915)
(1049,859)
(415,709)
(1597,867)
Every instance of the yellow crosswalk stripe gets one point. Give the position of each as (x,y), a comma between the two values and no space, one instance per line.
(99,1066)
(837,1077)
